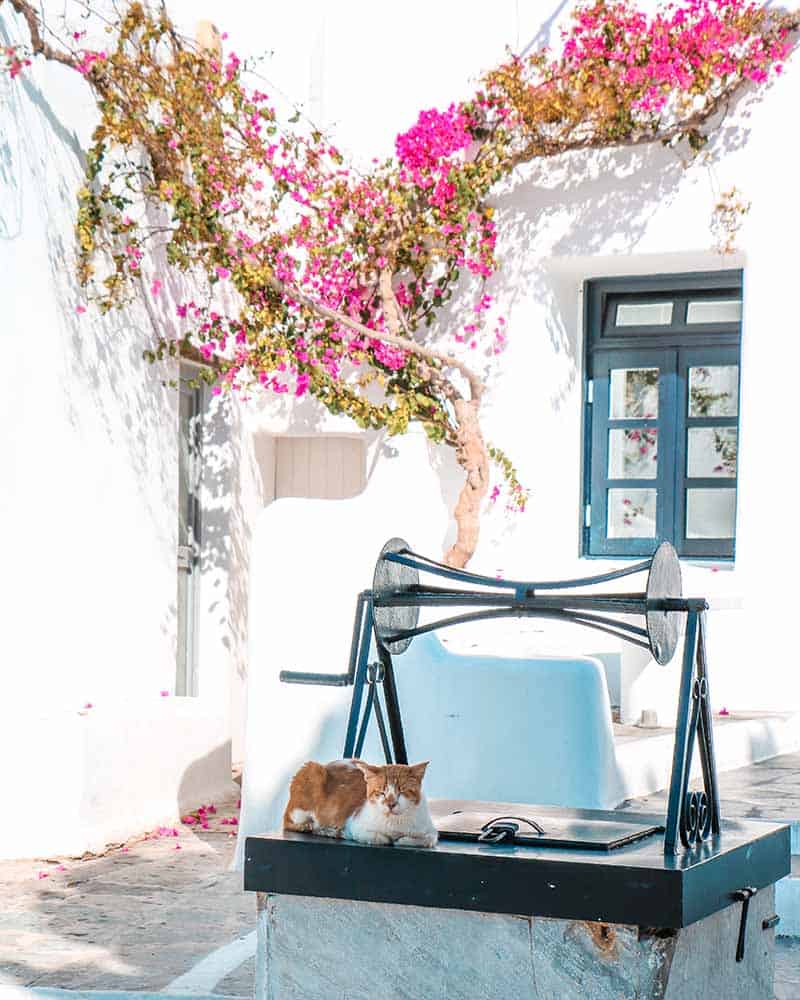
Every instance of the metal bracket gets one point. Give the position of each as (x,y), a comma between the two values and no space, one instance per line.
(745,895)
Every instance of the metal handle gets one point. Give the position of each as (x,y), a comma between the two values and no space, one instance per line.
(327,680)
(745,895)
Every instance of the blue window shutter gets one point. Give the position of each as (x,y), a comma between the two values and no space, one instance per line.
(673,348)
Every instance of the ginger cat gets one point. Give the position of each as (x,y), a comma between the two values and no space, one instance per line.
(362,802)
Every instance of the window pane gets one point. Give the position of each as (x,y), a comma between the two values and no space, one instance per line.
(644,314)
(634,393)
(712,451)
(632,454)
(714,391)
(631,514)
(710,513)
(714,311)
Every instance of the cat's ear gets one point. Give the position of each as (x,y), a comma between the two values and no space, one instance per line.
(418,770)
(367,769)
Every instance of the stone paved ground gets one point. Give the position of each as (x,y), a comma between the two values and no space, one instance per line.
(134,919)
(137,919)
(767,790)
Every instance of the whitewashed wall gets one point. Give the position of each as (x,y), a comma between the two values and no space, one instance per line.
(577,217)
(88,508)
(89,485)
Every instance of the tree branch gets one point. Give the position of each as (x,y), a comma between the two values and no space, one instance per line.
(476,387)
(38,45)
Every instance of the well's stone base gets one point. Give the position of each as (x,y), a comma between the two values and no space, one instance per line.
(327,949)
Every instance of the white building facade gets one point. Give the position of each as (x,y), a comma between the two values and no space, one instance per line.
(125,590)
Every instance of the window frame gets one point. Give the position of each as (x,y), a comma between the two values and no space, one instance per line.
(673,348)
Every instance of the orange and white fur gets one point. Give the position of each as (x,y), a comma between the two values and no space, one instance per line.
(362,802)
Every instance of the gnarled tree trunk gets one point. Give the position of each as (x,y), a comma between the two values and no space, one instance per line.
(473,458)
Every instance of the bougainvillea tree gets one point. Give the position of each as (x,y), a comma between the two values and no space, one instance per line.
(314,277)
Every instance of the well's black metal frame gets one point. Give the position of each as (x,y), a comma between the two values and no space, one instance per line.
(387,616)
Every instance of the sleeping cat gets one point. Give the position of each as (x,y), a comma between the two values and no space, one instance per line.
(361,802)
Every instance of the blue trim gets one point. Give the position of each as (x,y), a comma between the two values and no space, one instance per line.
(672,348)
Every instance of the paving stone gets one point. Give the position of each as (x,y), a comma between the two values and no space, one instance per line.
(130,920)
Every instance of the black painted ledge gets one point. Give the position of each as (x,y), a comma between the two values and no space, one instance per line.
(634,884)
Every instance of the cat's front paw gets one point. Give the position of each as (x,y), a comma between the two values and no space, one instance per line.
(374,838)
(418,840)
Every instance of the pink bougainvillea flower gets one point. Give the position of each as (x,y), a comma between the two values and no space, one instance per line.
(80,310)
(724,711)
(155,288)
(164,694)
(177,847)
(125,850)
(223,272)
(188,820)
(61,868)
(88,705)
(41,875)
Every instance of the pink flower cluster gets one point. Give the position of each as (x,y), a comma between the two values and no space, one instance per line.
(89,59)
(614,44)
(15,62)
(435,136)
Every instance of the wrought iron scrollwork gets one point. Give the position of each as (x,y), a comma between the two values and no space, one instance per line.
(695,819)
(693,816)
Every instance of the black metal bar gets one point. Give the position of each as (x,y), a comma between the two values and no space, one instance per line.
(392,706)
(621,604)
(707,755)
(679,764)
(364,610)
(591,621)
(415,561)
(355,639)
(617,605)
(362,731)
(387,750)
